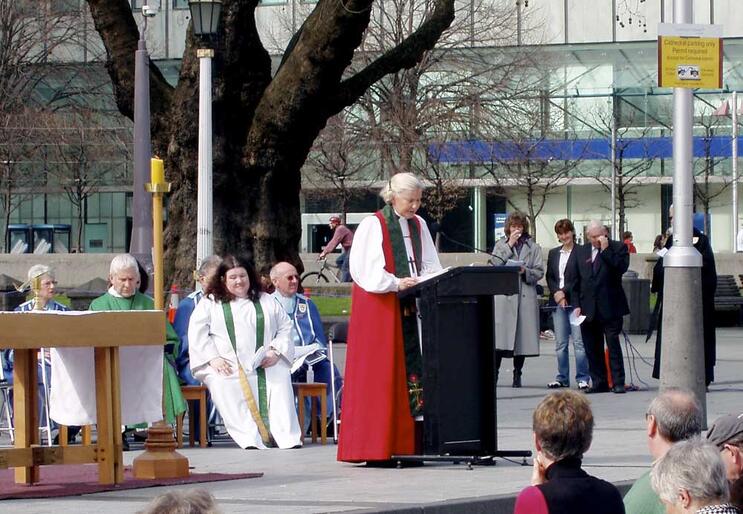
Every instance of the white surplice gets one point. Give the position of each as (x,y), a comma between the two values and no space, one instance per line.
(208,338)
(367,256)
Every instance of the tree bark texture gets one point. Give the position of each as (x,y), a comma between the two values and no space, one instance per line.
(263,125)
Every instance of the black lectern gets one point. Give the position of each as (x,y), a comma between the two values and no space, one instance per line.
(459,400)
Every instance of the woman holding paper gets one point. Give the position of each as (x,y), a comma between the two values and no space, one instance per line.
(563,281)
(240,347)
(517,315)
(383,391)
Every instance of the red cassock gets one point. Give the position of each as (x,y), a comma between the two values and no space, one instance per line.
(375,414)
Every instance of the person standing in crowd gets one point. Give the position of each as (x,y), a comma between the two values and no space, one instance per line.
(517,315)
(627,238)
(240,348)
(383,388)
(674,415)
(727,434)
(563,281)
(691,478)
(709,286)
(307,329)
(601,264)
(563,431)
(341,235)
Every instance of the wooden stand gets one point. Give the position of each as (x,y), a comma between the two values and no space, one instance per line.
(159,460)
(26,332)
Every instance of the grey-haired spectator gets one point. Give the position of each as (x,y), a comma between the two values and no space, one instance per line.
(674,415)
(194,501)
(691,478)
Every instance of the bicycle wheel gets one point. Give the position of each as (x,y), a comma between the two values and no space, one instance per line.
(314,277)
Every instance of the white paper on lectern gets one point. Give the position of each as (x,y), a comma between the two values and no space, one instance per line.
(312,353)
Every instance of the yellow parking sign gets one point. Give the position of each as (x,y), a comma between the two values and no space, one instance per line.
(692,62)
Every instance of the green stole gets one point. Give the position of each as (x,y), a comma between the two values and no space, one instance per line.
(259,334)
(408,311)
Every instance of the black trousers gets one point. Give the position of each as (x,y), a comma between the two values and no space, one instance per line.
(594,332)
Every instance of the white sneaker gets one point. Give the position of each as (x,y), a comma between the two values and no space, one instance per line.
(583,385)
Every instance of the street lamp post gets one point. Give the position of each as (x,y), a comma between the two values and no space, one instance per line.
(205,15)
(141,237)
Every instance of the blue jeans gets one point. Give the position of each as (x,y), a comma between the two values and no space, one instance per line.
(563,331)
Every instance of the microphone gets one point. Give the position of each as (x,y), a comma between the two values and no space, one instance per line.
(463,245)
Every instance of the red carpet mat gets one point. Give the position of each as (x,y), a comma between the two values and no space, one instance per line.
(77,479)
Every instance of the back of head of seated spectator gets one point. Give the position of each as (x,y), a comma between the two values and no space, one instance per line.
(193,501)
(674,415)
(563,425)
(691,475)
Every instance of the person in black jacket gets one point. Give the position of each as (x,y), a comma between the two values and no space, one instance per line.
(709,286)
(601,264)
(563,430)
(563,281)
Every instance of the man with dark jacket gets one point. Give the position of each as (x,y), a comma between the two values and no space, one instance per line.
(601,264)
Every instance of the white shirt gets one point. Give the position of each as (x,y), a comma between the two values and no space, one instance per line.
(594,253)
(564,256)
(367,256)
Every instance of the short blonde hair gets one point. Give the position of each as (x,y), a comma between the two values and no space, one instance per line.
(400,183)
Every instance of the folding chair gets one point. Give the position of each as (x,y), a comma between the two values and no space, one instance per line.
(5,388)
(338,333)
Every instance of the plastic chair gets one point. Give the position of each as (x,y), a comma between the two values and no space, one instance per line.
(338,333)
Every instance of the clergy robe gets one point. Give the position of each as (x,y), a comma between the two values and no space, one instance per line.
(377,422)
(209,339)
(148,378)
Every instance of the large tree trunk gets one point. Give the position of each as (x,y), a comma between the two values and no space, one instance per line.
(264,127)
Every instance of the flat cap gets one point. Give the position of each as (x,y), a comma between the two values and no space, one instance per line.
(725,429)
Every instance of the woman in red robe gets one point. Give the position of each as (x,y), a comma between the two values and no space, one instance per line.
(382,395)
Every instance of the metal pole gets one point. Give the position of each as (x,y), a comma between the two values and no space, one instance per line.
(735,172)
(682,356)
(204,221)
(141,240)
(614,167)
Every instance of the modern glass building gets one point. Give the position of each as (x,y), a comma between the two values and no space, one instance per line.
(589,112)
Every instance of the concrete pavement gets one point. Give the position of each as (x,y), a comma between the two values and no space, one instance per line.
(310,479)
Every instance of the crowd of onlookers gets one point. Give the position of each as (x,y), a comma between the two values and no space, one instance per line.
(690,473)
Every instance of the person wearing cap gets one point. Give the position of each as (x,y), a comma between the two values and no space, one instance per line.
(674,415)
(727,434)
(343,236)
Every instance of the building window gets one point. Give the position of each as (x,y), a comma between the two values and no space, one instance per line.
(180,4)
(137,4)
(64,6)
(272,2)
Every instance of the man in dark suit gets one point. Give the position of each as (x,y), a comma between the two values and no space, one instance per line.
(602,262)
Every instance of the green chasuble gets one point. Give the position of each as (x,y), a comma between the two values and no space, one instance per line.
(172,397)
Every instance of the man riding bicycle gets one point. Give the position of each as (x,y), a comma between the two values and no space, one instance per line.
(341,235)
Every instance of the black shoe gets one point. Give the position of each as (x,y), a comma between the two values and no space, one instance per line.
(516,378)
(594,390)
(618,390)
(124,443)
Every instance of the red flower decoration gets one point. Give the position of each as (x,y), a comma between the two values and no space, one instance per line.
(413,378)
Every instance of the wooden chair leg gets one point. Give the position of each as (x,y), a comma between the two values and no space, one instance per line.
(300,400)
(191,424)
(63,433)
(179,430)
(204,428)
(323,418)
(313,418)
